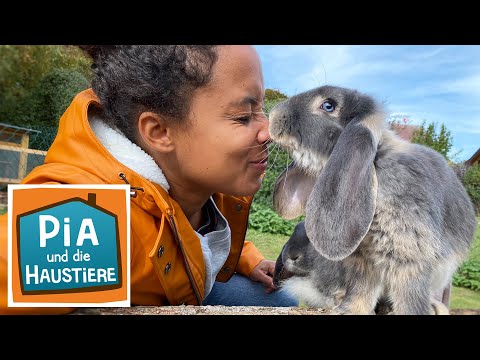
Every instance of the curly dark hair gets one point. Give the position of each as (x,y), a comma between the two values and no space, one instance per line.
(131,79)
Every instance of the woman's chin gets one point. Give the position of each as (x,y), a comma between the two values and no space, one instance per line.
(249,190)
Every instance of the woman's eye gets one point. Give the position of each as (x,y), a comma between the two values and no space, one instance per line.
(328,106)
(243,119)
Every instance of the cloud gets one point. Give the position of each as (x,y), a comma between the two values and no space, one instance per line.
(431,83)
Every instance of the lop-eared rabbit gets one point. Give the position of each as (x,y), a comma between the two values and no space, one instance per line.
(393,212)
(320,282)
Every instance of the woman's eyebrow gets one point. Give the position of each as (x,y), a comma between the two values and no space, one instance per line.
(248,100)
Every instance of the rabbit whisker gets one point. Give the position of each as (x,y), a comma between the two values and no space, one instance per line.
(286,173)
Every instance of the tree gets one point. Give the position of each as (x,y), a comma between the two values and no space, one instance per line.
(52,95)
(428,136)
(22,69)
(471,181)
(274,95)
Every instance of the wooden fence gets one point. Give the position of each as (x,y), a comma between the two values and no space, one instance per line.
(16,158)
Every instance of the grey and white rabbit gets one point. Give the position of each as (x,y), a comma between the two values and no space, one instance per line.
(304,273)
(319,282)
(393,212)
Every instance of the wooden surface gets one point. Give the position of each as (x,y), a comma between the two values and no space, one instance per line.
(222,310)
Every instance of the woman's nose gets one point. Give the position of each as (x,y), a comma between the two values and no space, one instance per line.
(264,134)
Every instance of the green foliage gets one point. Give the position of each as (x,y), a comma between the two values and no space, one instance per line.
(468,276)
(265,220)
(278,160)
(274,95)
(53,94)
(22,70)
(262,217)
(44,139)
(471,181)
(428,136)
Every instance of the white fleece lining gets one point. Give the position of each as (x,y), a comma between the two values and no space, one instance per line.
(128,153)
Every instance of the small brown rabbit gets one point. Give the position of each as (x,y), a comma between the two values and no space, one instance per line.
(393,212)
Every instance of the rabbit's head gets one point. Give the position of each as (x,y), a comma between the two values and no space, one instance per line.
(332,134)
(297,258)
(304,273)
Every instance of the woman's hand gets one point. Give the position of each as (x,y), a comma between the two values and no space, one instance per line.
(263,273)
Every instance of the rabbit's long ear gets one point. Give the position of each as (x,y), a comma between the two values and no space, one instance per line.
(341,207)
(291,192)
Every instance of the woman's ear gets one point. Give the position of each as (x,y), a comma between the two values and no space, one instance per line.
(154,131)
(291,191)
(342,204)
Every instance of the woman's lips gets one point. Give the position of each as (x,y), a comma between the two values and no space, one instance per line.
(260,165)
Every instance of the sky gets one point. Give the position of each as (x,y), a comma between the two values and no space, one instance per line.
(431,83)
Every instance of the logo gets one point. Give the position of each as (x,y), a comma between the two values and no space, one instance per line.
(69,245)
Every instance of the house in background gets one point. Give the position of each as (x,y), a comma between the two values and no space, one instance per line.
(475,159)
(403,130)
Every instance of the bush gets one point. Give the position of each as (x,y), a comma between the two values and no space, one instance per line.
(468,276)
(264,219)
(471,181)
(274,95)
(278,160)
(24,67)
(53,94)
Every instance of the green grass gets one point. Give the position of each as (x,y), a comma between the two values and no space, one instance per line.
(475,251)
(462,298)
(270,246)
(3,210)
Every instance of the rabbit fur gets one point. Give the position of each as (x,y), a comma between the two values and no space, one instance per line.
(394,213)
(318,282)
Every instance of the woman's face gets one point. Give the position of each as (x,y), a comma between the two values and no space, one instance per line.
(223,148)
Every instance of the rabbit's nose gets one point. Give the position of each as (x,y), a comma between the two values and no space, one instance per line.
(295,257)
(278,112)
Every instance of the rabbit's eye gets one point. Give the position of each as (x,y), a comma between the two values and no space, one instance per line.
(328,106)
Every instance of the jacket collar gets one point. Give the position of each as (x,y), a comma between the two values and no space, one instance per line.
(77,155)
(128,153)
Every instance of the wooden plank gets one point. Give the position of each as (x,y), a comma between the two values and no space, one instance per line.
(6,143)
(22,163)
(222,310)
(20,149)
(9,181)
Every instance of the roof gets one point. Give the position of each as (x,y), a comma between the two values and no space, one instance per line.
(404,131)
(17,129)
(475,157)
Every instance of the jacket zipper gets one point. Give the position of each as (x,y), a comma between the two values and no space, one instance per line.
(177,238)
(244,233)
(187,266)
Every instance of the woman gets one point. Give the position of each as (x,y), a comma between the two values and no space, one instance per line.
(184,126)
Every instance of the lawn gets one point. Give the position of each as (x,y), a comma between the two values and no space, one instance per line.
(270,245)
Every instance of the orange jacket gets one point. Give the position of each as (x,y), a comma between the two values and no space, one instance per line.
(160,232)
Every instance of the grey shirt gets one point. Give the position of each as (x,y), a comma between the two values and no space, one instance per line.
(215,239)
